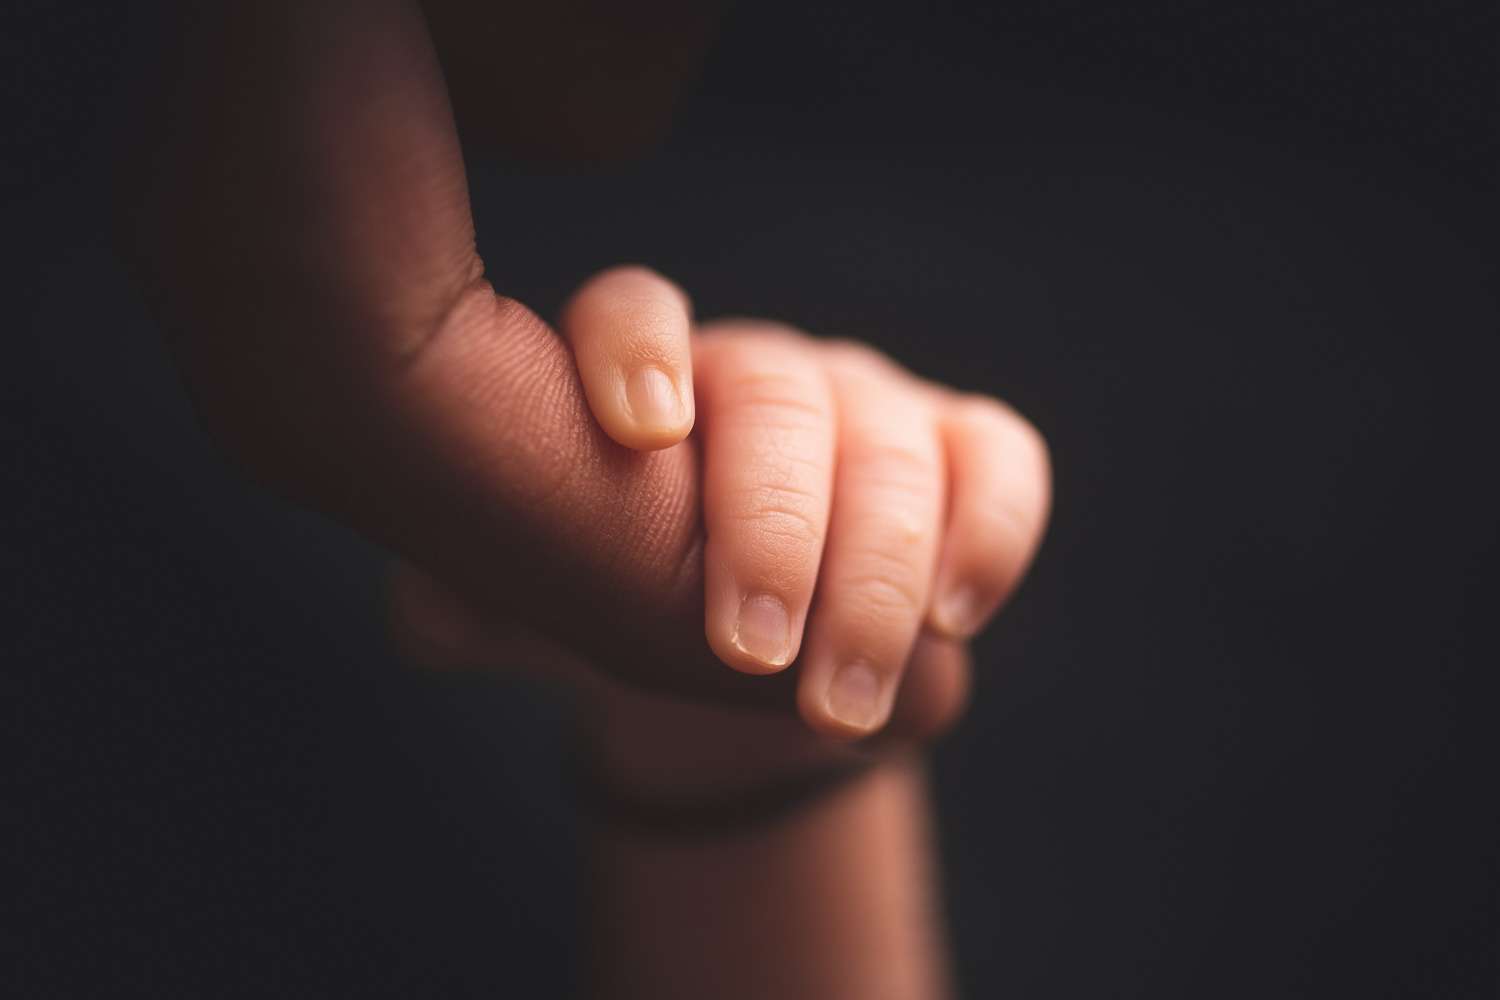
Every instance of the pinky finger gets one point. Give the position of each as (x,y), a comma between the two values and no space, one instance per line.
(1000,490)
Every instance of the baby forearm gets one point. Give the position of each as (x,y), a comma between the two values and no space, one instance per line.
(837,899)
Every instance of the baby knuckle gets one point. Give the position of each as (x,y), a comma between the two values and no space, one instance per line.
(900,526)
(760,394)
(857,356)
(885,592)
(1006,532)
(894,467)
(991,416)
(782,520)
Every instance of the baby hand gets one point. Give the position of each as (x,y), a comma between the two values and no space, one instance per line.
(848,505)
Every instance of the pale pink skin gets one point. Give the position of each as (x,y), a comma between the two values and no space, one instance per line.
(829,471)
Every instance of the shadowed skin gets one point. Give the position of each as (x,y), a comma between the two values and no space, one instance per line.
(305,237)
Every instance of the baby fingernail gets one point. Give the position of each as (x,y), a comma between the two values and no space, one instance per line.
(653,399)
(854,696)
(960,612)
(764,630)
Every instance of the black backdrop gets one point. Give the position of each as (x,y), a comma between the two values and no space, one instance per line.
(1237,265)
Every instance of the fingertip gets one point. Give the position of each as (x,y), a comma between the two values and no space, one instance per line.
(659,408)
(959,612)
(999,486)
(629,328)
(753,633)
(846,704)
(934,691)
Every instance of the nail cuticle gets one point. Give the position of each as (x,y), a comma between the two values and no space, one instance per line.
(762,630)
(653,399)
(855,696)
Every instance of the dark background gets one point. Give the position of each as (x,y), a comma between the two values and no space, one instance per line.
(1236,264)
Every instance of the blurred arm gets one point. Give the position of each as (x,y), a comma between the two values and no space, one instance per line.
(836,898)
